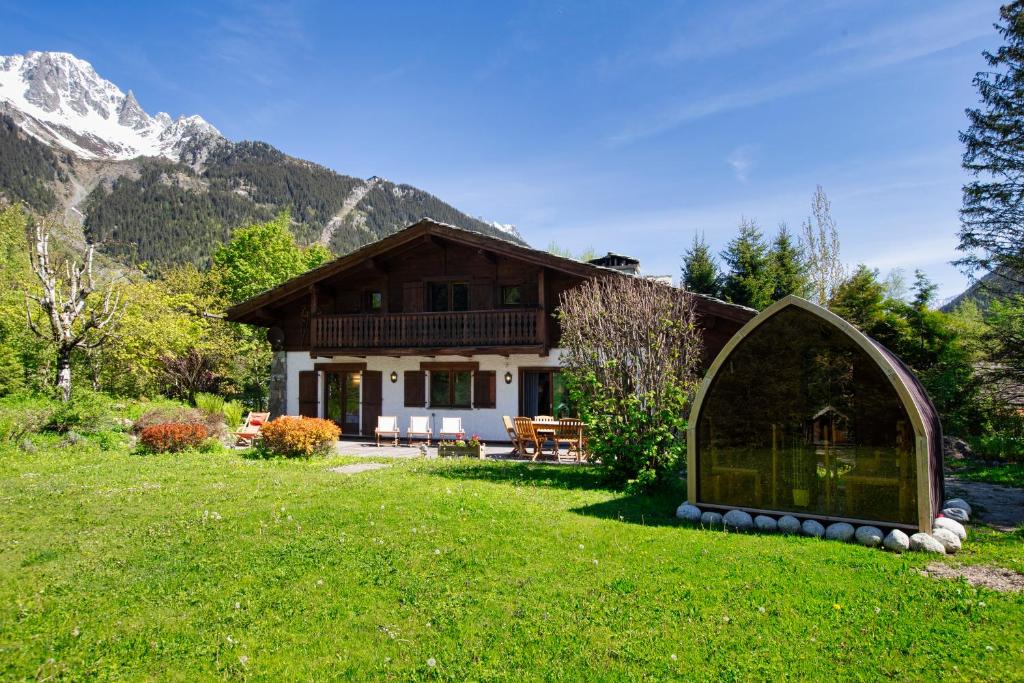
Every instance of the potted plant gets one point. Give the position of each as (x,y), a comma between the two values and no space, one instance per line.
(473,448)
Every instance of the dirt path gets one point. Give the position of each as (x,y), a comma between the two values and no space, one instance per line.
(1001,507)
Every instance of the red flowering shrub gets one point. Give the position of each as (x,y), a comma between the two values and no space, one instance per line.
(171,437)
(298,437)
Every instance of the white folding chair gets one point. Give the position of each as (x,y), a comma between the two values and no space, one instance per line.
(451,427)
(419,426)
(387,426)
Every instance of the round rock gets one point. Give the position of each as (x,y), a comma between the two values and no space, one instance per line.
(951,524)
(738,520)
(896,541)
(948,540)
(712,520)
(957,514)
(924,543)
(789,524)
(812,528)
(840,531)
(766,523)
(958,503)
(688,513)
(868,536)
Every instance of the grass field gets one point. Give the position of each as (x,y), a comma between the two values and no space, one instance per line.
(207,566)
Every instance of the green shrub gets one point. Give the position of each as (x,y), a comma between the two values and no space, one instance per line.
(234,412)
(1001,447)
(178,414)
(211,404)
(87,412)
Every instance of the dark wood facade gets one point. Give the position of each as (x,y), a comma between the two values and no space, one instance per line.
(433,289)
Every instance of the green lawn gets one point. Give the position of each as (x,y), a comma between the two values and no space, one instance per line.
(200,566)
(1007,474)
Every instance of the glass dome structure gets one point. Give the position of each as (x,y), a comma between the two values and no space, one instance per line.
(803,414)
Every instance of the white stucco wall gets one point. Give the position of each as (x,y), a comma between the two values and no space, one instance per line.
(485,422)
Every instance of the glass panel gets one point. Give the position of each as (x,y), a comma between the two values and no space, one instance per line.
(351,380)
(440,391)
(460,296)
(562,408)
(437,296)
(801,419)
(463,380)
(531,381)
(332,406)
(511,296)
(376,301)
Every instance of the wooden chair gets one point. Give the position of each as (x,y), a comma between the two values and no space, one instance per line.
(527,434)
(387,426)
(451,427)
(544,418)
(513,436)
(250,431)
(570,432)
(419,426)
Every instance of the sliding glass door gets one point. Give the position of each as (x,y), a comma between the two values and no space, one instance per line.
(542,392)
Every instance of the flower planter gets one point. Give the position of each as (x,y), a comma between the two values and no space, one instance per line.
(454,451)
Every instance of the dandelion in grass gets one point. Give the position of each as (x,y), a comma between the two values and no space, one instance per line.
(595,563)
(431,662)
(581,546)
(244,659)
(981,604)
(726,619)
(238,605)
(437,551)
(673,657)
(761,610)
(878,610)
(76,632)
(989,648)
(837,607)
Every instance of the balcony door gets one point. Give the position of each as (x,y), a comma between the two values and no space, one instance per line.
(341,399)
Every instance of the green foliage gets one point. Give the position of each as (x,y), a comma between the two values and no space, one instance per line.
(640,439)
(748,280)
(210,403)
(234,412)
(787,267)
(992,218)
(583,256)
(1004,345)
(28,168)
(261,256)
(700,270)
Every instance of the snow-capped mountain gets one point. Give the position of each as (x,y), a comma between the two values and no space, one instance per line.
(61,100)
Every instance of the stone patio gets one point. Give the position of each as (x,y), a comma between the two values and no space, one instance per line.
(369,449)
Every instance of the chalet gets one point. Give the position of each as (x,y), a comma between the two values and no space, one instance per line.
(432,321)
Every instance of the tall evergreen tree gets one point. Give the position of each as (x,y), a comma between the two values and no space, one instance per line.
(748,281)
(787,265)
(992,219)
(700,270)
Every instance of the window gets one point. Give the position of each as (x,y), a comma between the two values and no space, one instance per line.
(375,301)
(511,295)
(542,392)
(448,296)
(450,388)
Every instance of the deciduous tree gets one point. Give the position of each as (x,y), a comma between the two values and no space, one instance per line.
(825,270)
(632,351)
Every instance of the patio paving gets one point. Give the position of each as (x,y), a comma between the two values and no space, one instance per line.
(369,449)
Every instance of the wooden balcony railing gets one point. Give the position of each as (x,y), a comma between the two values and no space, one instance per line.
(449,329)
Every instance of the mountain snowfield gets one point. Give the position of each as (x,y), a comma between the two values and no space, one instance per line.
(61,100)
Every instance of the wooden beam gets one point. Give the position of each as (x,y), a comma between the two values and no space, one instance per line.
(339,367)
(468,365)
(542,314)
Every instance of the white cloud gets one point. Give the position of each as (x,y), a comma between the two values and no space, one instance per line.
(741,160)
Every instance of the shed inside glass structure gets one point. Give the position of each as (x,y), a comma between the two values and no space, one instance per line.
(803,414)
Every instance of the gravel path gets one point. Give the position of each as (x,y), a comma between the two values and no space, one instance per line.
(1001,507)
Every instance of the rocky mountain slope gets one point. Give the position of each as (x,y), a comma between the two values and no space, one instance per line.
(152,189)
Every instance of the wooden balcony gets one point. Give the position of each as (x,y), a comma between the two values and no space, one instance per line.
(419,332)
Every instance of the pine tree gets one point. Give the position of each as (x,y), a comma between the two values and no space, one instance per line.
(992,219)
(700,271)
(788,268)
(748,282)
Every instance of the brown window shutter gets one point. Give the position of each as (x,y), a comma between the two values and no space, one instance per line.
(309,403)
(484,388)
(415,389)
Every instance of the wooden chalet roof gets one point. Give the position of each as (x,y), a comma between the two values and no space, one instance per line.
(249,310)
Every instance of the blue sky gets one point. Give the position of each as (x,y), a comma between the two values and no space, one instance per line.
(622,126)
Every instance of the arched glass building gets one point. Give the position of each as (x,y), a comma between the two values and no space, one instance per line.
(801,413)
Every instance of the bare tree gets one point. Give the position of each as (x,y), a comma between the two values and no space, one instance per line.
(821,244)
(631,355)
(64,299)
